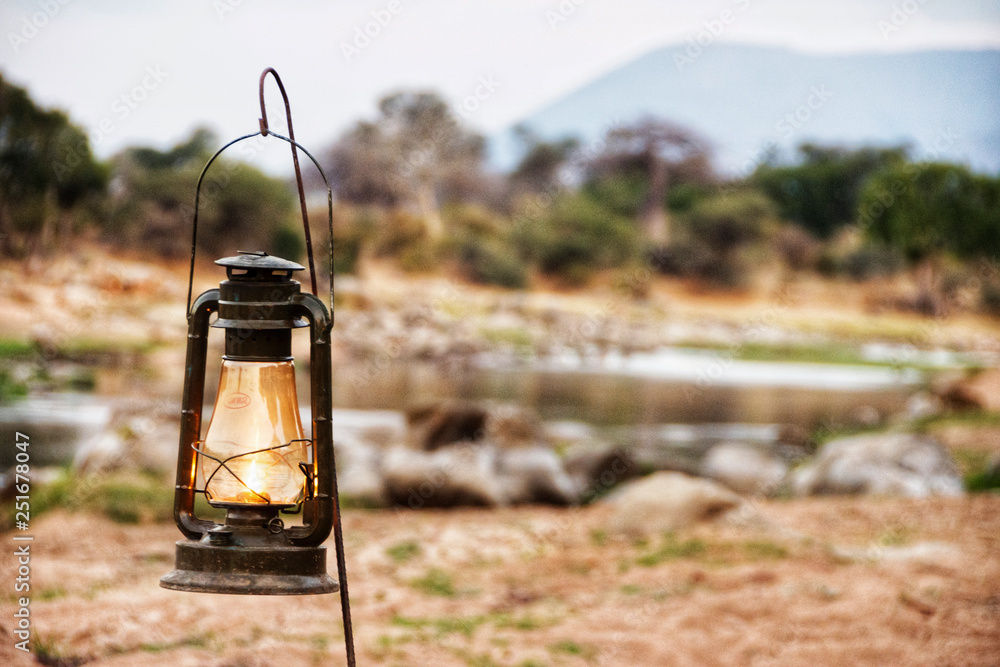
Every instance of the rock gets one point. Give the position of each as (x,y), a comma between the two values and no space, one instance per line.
(535,475)
(744,468)
(667,501)
(359,471)
(568,432)
(459,475)
(596,467)
(434,425)
(922,405)
(902,464)
(440,423)
(105,452)
(980,391)
(509,425)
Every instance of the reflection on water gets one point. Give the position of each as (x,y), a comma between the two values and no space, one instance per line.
(609,399)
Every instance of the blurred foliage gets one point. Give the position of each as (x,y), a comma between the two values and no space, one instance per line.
(415,155)
(576,236)
(719,232)
(50,181)
(240,207)
(413,187)
(922,209)
(123,497)
(821,192)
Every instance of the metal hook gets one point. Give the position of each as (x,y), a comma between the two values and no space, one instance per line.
(295,160)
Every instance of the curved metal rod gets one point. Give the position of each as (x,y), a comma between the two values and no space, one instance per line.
(197,200)
(295,160)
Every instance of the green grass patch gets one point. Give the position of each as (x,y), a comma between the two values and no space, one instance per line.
(716,553)
(435,582)
(442,626)
(403,551)
(48,652)
(122,497)
(570,647)
(10,388)
(764,550)
(196,641)
(958,418)
(13,348)
(51,593)
(672,549)
(514,337)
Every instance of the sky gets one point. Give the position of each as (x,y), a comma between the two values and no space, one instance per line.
(147,73)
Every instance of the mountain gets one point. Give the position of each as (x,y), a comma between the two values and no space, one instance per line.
(745,99)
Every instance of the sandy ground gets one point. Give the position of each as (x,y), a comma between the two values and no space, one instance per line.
(824,581)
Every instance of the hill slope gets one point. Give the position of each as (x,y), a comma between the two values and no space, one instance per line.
(745,99)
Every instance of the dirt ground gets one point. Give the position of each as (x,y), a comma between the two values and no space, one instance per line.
(824,581)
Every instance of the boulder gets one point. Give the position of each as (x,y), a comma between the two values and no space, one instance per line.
(458,475)
(440,423)
(980,391)
(667,501)
(359,471)
(597,467)
(902,464)
(534,475)
(744,468)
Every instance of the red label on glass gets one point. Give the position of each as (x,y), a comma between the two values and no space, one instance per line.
(237,401)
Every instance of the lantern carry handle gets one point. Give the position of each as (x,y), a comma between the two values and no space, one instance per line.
(329,203)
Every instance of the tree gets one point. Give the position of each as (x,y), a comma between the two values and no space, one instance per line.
(539,168)
(416,153)
(652,155)
(929,208)
(47,174)
(241,208)
(821,191)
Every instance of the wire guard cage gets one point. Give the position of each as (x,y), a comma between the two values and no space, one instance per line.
(308,477)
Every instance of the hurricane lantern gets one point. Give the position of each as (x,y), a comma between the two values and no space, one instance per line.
(255,460)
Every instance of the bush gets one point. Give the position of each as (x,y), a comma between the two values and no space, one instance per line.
(576,236)
(872,261)
(492,263)
(797,247)
(420,255)
(346,251)
(684,259)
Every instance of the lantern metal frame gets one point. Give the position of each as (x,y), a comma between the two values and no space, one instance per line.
(253,552)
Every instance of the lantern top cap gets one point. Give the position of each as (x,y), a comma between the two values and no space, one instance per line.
(258,260)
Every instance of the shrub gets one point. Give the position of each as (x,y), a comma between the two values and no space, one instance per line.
(872,261)
(491,262)
(576,236)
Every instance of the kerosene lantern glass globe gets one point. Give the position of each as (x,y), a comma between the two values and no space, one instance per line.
(256,409)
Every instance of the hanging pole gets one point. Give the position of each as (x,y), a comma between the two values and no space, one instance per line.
(295,160)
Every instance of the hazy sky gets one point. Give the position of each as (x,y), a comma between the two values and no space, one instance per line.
(145,72)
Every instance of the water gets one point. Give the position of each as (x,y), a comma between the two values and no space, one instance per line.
(669,387)
(673,389)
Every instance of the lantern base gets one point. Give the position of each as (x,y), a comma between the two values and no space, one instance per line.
(241,570)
